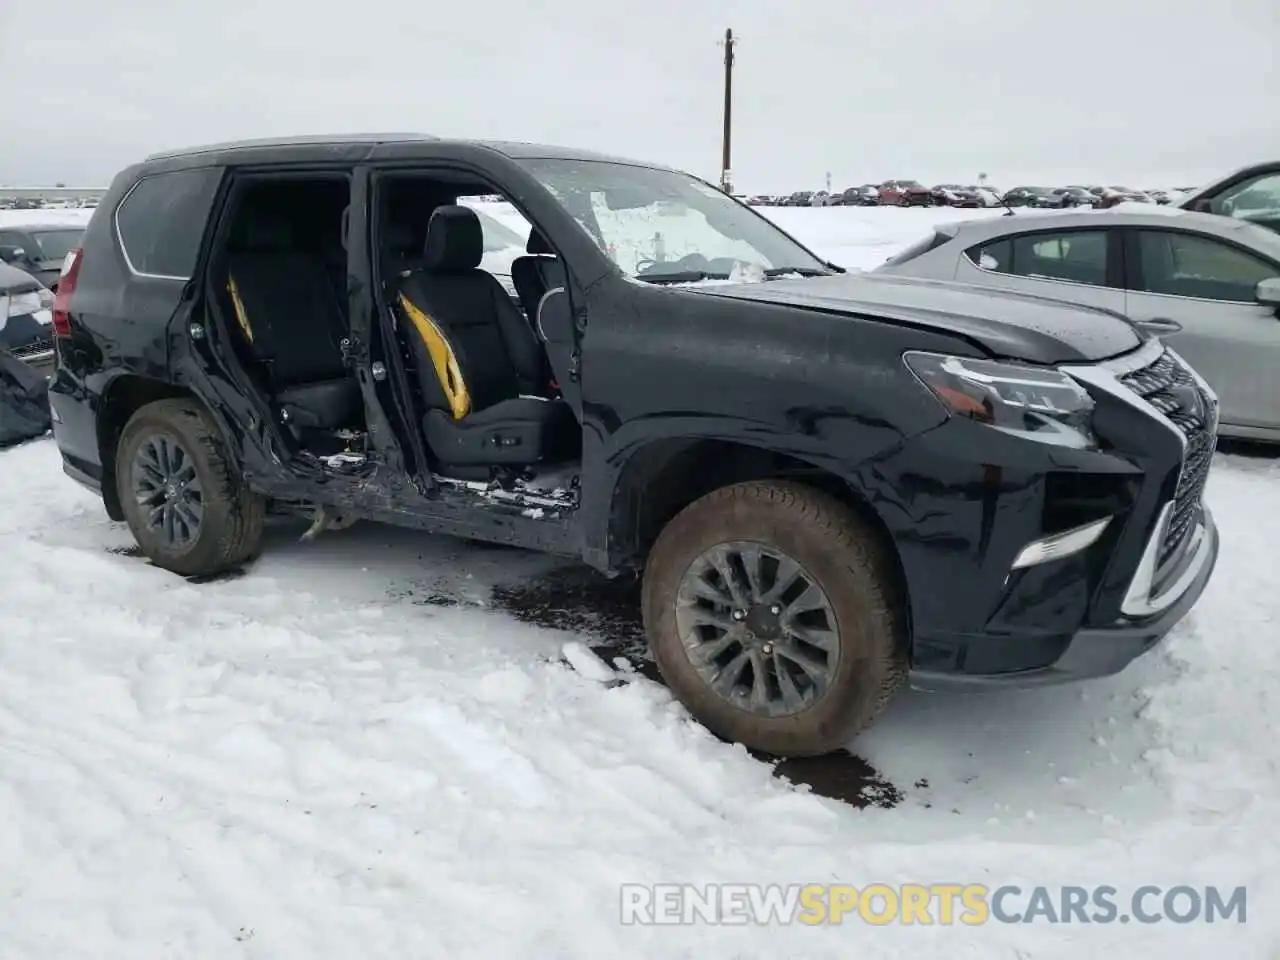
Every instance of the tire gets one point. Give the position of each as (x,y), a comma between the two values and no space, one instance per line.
(836,551)
(229,529)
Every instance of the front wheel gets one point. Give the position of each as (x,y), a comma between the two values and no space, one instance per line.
(181,494)
(772,613)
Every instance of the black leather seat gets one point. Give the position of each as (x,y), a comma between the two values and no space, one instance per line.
(483,373)
(293,322)
(529,274)
(403,249)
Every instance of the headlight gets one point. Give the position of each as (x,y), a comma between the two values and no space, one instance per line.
(1031,402)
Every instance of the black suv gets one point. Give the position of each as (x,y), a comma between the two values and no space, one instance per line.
(826,479)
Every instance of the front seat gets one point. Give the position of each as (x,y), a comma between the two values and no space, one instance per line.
(529,273)
(293,323)
(482,372)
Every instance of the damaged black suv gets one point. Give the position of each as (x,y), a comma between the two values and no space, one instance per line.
(828,481)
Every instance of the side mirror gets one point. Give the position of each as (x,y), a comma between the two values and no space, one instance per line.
(12,254)
(1267,292)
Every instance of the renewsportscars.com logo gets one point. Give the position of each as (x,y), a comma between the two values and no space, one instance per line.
(971,904)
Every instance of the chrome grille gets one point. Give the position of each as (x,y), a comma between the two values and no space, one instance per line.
(1169,386)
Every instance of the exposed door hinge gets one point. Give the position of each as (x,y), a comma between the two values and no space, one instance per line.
(348,346)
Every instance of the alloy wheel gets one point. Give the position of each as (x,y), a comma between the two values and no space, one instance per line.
(758,628)
(167,489)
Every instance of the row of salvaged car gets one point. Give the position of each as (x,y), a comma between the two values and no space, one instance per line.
(911,193)
(41,203)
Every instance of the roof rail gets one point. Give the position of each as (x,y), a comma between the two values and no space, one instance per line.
(312,139)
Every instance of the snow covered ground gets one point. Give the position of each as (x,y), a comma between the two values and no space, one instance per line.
(319,759)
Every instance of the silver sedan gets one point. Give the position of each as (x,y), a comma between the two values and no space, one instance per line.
(1206,284)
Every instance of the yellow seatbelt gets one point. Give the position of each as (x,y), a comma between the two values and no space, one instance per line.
(442,358)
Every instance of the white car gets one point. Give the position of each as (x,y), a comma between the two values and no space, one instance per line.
(1207,285)
(26,329)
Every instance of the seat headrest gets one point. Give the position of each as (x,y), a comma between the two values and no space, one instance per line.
(455,240)
(538,243)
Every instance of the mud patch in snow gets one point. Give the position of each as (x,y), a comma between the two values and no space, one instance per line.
(607,612)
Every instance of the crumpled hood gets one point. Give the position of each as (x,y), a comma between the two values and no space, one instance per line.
(1009,325)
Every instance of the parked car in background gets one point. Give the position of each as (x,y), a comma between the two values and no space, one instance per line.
(905,193)
(1209,286)
(866,195)
(801,198)
(39,249)
(955,195)
(25,318)
(1251,193)
(1076,197)
(989,196)
(1112,196)
(1029,196)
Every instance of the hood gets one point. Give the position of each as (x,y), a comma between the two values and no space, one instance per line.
(13,280)
(1014,326)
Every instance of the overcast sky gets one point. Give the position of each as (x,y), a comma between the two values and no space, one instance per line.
(1118,91)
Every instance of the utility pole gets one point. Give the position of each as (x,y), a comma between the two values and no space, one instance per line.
(726,166)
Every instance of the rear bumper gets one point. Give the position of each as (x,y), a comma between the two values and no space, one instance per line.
(1104,651)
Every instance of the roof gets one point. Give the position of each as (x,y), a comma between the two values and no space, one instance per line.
(1123,215)
(510,148)
(335,139)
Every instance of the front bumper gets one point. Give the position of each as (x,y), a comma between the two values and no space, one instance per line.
(1017,557)
(1103,651)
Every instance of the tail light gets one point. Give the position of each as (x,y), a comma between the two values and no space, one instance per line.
(62,297)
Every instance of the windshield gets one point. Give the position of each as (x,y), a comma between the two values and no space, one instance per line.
(56,244)
(659,223)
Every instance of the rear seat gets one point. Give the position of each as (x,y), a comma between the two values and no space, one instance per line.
(293,322)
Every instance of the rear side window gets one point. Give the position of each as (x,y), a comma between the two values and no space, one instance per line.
(1077,256)
(997,256)
(162,219)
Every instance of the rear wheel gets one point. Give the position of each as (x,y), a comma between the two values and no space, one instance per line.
(181,494)
(772,614)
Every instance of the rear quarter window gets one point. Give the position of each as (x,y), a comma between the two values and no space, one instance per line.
(161,221)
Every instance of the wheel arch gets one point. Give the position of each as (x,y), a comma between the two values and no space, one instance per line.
(664,476)
(124,396)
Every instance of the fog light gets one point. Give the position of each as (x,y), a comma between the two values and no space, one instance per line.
(1060,545)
